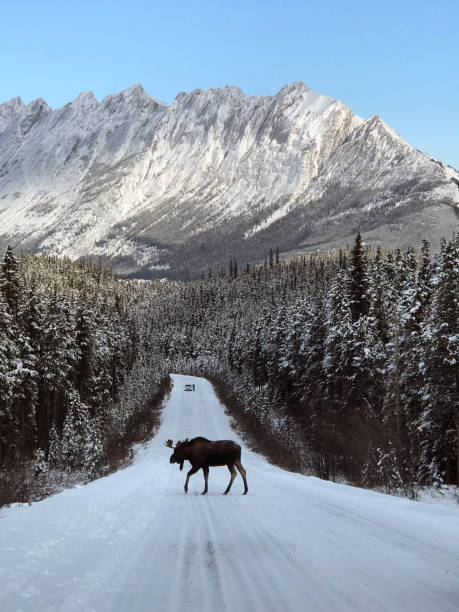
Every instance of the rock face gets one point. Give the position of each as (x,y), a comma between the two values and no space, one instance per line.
(159,190)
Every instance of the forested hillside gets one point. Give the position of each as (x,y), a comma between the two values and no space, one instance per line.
(77,376)
(344,366)
(341,365)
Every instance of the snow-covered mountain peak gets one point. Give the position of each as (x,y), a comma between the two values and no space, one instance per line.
(146,185)
(215,95)
(203,105)
(137,96)
(11,106)
(134,90)
(36,104)
(85,99)
(303,98)
(8,110)
(378,131)
(129,99)
(391,131)
(228,91)
(298,87)
(233,89)
(32,113)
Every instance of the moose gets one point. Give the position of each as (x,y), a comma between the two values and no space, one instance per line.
(203,453)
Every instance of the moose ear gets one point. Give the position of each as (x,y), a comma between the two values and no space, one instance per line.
(181,465)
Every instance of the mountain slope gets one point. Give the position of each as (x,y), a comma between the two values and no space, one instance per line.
(158,189)
(134,541)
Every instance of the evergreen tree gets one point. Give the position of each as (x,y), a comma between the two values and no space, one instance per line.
(358,281)
(55,456)
(8,356)
(80,442)
(439,425)
(10,284)
(85,343)
(377,294)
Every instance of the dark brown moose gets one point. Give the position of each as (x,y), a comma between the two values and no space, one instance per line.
(203,453)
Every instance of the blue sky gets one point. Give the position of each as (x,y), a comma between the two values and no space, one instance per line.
(399,60)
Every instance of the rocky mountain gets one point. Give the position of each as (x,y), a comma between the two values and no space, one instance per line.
(158,190)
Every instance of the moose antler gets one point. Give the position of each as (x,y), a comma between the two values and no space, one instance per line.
(169,444)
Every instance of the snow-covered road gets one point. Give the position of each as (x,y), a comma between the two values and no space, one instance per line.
(134,542)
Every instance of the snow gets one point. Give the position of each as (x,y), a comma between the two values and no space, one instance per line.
(390,130)
(134,541)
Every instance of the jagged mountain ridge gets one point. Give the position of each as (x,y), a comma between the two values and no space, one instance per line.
(171,190)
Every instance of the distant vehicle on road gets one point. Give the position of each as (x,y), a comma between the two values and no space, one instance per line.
(189,387)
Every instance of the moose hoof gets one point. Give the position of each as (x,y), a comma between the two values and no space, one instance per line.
(204,493)
(245,493)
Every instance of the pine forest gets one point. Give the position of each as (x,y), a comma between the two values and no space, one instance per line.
(341,365)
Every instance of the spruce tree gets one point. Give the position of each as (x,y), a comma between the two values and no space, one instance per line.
(81,447)
(439,424)
(10,283)
(358,281)
(8,356)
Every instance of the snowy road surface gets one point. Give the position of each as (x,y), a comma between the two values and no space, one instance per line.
(134,542)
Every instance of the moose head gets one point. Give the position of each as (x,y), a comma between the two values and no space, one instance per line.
(179,452)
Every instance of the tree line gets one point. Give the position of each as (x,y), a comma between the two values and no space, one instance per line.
(72,336)
(343,365)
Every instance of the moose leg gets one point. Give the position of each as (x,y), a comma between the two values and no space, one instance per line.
(238,464)
(192,471)
(206,477)
(233,476)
